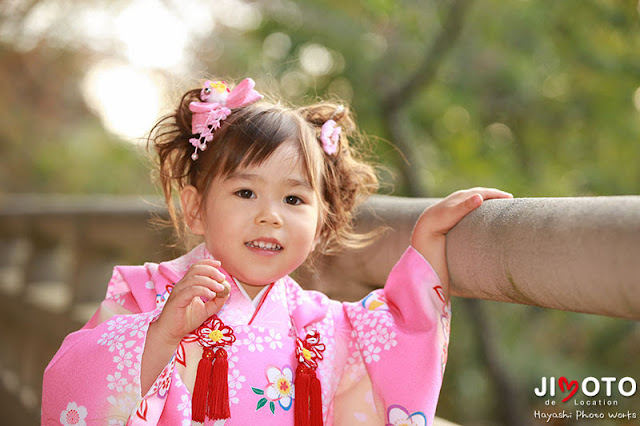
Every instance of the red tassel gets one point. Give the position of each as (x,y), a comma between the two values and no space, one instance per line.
(315,403)
(301,400)
(218,407)
(201,388)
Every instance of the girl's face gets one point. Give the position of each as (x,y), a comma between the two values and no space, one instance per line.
(261,222)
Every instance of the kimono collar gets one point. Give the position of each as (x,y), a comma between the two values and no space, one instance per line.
(175,269)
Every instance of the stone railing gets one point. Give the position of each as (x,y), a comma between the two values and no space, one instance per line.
(572,254)
(57,253)
(56,257)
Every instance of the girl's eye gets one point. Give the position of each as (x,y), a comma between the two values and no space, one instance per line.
(293,200)
(245,193)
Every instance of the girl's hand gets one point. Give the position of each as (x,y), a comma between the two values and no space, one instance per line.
(198,295)
(184,311)
(429,233)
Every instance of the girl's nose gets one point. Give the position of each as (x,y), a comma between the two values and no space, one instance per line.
(268,215)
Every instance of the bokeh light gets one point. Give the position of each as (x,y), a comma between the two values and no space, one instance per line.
(125,97)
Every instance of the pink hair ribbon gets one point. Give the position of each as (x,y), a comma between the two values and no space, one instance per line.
(216,105)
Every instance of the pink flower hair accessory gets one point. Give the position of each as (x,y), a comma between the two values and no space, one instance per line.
(217,102)
(330,133)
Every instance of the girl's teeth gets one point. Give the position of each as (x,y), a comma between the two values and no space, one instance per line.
(263,245)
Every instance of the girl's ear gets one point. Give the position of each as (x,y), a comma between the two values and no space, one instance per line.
(190,201)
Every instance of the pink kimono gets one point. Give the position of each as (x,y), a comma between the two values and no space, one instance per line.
(383,363)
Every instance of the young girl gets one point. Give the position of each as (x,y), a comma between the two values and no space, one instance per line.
(223,335)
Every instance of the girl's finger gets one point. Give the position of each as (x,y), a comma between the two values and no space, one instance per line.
(208,282)
(212,262)
(202,280)
(472,203)
(213,306)
(207,270)
(185,297)
(489,193)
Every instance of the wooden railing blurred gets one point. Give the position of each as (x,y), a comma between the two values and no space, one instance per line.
(56,257)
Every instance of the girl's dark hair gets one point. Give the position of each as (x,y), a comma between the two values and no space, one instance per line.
(248,137)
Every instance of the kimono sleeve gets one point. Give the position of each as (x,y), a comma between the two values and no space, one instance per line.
(94,378)
(397,349)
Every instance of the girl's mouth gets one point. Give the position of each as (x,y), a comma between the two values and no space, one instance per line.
(264,245)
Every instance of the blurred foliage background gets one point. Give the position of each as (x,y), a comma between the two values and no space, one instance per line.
(536,98)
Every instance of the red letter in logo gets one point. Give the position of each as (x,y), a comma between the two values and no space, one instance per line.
(572,387)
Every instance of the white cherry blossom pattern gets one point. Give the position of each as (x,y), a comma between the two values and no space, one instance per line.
(134,371)
(374,330)
(253,342)
(113,340)
(233,397)
(279,292)
(120,298)
(232,356)
(125,339)
(74,415)
(235,379)
(116,323)
(184,406)
(273,339)
(117,382)
(371,354)
(125,403)
(124,359)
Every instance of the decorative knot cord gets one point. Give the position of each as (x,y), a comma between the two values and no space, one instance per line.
(211,390)
(308,398)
